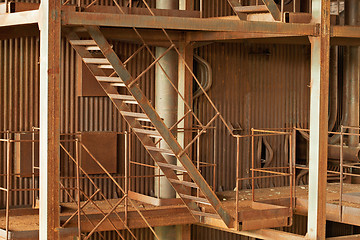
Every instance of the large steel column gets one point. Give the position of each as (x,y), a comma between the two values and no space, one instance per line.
(320,55)
(352,71)
(50,31)
(166,105)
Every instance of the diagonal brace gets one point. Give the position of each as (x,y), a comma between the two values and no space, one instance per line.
(273,9)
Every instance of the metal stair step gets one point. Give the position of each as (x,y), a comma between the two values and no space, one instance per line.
(93,48)
(205,214)
(160,150)
(121,97)
(148,132)
(118,84)
(83,42)
(96,60)
(143,119)
(196,199)
(171,166)
(138,116)
(134,114)
(109,79)
(106,67)
(185,183)
(126,98)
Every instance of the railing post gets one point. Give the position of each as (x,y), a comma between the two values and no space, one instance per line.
(126,175)
(252,165)
(7,183)
(341,170)
(237,182)
(78,160)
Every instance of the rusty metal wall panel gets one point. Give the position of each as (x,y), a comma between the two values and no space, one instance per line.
(141,234)
(203,233)
(255,86)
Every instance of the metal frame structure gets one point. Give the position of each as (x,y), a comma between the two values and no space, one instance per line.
(51,18)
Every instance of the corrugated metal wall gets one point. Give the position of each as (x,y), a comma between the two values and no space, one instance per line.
(260,86)
(254,86)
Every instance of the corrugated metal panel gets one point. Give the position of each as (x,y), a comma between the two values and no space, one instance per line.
(141,234)
(203,233)
(255,86)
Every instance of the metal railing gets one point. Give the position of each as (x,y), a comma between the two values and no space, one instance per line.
(267,172)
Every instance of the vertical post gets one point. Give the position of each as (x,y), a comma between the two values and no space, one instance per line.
(291,175)
(198,159)
(319,93)
(33,166)
(293,159)
(252,165)
(214,159)
(50,38)
(341,171)
(8,179)
(237,182)
(126,175)
(77,149)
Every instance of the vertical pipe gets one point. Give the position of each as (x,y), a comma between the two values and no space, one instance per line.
(352,72)
(166,105)
(166,98)
(333,90)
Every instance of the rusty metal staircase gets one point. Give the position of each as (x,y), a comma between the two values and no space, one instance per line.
(106,58)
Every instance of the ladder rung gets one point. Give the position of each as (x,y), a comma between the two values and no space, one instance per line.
(148,132)
(171,166)
(106,67)
(122,97)
(96,60)
(82,42)
(204,214)
(108,79)
(160,150)
(196,199)
(185,183)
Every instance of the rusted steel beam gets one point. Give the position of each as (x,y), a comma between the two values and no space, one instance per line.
(273,9)
(345,31)
(178,23)
(156,217)
(50,41)
(260,234)
(319,94)
(200,36)
(21,18)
